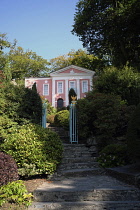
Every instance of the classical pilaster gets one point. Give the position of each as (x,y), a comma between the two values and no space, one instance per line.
(66,92)
(53,92)
(78,89)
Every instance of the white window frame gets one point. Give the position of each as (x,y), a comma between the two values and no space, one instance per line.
(58,88)
(83,87)
(74,85)
(44,91)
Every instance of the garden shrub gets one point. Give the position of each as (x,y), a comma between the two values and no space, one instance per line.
(8,169)
(113,155)
(50,118)
(104,116)
(62,119)
(15,192)
(36,150)
(133,134)
(6,125)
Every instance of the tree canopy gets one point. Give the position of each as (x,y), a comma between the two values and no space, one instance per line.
(124,82)
(110,29)
(79,58)
(20,63)
(26,63)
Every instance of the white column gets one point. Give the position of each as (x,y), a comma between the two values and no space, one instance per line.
(53,92)
(78,89)
(66,92)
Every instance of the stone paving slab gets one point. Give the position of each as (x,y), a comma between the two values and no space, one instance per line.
(87,205)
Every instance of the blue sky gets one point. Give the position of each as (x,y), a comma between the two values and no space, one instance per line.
(43,26)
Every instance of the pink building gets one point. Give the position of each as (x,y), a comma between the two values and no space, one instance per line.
(56,87)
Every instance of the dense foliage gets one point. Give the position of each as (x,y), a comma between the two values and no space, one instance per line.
(110,29)
(133,134)
(8,169)
(104,116)
(113,155)
(36,150)
(20,104)
(124,82)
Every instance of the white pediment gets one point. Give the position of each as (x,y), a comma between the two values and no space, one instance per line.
(72,70)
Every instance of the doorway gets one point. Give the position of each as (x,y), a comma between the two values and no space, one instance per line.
(60,103)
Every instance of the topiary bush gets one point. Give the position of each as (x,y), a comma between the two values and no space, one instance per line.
(62,119)
(8,169)
(36,150)
(113,155)
(133,134)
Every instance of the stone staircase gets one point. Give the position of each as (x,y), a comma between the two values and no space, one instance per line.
(64,134)
(80,184)
(78,160)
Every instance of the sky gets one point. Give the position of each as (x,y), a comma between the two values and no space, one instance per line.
(43,26)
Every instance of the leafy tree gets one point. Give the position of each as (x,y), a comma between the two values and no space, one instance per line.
(109,29)
(26,64)
(124,82)
(3,42)
(79,58)
(7,72)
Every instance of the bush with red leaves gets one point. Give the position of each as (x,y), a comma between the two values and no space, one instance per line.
(8,169)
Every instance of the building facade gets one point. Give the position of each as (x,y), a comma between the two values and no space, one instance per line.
(56,87)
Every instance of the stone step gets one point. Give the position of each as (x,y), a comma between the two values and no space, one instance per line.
(86,205)
(95,195)
(77,155)
(80,172)
(60,131)
(67,166)
(90,188)
(78,148)
(78,160)
(67,146)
